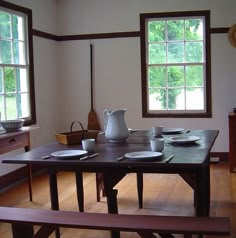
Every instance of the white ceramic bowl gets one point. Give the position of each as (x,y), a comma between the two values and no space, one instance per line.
(12,125)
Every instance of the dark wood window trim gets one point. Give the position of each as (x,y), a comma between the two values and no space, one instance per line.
(145,112)
(28,12)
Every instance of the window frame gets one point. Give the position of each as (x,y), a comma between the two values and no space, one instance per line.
(28,12)
(144,78)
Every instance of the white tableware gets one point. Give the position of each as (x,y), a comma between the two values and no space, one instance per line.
(115,127)
(157,130)
(183,139)
(172,130)
(63,154)
(12,125)
(157,144)
(143,155)
(88,145)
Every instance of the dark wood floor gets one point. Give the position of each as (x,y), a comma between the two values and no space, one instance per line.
(163,195)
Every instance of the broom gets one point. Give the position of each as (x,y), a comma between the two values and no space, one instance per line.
(93,123)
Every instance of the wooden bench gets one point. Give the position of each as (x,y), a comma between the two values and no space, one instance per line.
(23,219)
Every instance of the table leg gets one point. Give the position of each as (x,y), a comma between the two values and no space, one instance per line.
(202,192)
(29,171)
(110,180)
(113,208)
(99,186)
(54,194)
(140,189)
(80,190)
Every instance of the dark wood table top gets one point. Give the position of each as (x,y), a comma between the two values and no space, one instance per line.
(191,156)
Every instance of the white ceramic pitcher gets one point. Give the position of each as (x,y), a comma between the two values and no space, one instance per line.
(115,127)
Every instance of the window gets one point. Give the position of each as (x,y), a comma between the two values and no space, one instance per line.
(16,64)
(175,64)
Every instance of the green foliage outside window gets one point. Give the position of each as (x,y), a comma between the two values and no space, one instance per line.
(175,57)
(13,68)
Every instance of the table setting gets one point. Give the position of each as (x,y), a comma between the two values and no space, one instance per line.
(116,133)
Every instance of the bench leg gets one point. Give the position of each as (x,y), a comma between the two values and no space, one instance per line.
(144,234)
(44,231)
(166,235)
(22,230)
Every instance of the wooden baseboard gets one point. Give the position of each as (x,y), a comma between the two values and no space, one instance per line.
(16,176)
(223,156)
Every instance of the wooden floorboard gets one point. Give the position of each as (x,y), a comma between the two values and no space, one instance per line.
(163,195)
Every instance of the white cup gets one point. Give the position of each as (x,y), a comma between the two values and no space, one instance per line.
(157,130)
(88,144)
(157,144)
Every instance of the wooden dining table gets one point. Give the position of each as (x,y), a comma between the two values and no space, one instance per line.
(190,160)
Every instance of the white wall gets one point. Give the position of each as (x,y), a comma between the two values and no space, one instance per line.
(117,61)
(62,69)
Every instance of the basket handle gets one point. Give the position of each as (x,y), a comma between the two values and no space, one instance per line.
(72,124)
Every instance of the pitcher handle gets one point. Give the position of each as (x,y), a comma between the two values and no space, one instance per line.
(105,118)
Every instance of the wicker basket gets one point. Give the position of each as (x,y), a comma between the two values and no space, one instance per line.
(75,137)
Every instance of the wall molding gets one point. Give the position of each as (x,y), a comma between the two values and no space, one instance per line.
(219,30)
(128,34)
(44,35)
(223,156)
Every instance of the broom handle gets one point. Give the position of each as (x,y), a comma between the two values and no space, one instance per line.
(91,74)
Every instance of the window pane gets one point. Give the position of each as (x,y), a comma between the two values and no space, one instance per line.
(176,99)
(194,52)
(156,31)
(175,53)
(195,99)
(157,76)
(157,53)
(175,30)
(9,79)
(175,76)
(21,79)
(157,99)
(5,25)
(1,81)
(23,105)
(194,75)
(194,29)
(6,52)
(11,107)
(18,28)
(19,53)
(2,109)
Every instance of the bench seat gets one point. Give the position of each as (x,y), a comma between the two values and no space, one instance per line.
(23,219)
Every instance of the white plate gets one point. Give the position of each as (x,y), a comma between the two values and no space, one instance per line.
(62,154)
(172,130)
(183,139)
(143,155)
